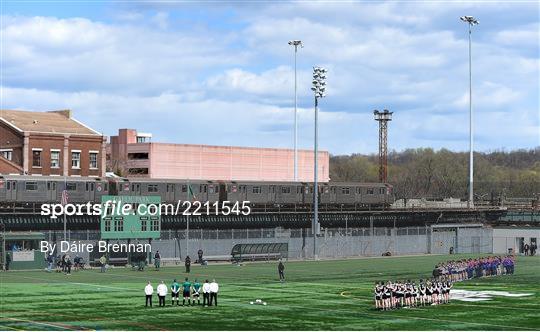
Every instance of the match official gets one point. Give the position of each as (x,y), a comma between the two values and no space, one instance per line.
(148,291)
(162,293)
(188,264)
(206,293)
(214,288)
(281,270)
(157,260)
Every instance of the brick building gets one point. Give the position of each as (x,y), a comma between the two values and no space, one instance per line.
(134,154)
(49,143)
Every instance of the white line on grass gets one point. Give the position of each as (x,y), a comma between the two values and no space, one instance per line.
(62,326)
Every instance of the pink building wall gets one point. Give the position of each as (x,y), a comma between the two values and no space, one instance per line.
(187,161)
(208,162)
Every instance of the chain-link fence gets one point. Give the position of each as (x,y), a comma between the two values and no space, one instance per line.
(331,243)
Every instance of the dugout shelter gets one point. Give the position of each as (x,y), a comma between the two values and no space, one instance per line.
(23,250)
(259,251)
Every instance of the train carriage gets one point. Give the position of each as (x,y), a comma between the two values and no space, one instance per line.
(36,189)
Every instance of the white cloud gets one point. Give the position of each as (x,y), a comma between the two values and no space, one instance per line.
(527,35)
(161,19)
(229,79)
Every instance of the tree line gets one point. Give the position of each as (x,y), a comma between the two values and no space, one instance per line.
(428,173)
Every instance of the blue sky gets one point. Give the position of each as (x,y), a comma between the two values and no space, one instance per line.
(222,73)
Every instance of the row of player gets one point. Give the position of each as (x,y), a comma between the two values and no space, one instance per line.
(463,269)
(190,293)
(393,295)
(400,294)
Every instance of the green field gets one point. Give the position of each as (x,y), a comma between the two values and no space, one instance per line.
(327,295)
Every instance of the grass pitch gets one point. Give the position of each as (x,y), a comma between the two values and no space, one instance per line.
(327,295)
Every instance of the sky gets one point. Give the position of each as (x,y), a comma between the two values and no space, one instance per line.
(222,73)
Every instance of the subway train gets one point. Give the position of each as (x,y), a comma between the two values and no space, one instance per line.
(48,189)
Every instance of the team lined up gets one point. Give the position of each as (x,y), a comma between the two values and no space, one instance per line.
(395,295)
(400,294)
(464,269)
(190,293)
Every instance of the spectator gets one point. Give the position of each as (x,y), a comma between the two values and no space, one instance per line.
(63,260)
(148,291)
(526,249)
(103,262)
(68,265)
(50,261)
(8,261)
(200,254)
(533,249)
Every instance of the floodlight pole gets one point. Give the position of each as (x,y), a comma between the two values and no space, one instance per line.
(315,181)
(319,86)
(295,43)
(470,22)
(187,220)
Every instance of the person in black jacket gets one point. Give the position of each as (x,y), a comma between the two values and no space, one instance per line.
(200,254)
(157,260)
(281,271)
(188,264)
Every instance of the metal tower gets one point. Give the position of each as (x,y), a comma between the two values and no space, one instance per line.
(383,118)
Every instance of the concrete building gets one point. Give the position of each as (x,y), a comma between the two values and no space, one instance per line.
(514,238)
(134,154)
(49,143)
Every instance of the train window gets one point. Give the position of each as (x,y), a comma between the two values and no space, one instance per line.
(382,191)
(71,186)
(152,188)
(48,186)
(106,186)
(345,190)
(257,190)
(8,185)
(31,186)
(370,191)
(285,190)
(211,189)
(272,189)
(184,188)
